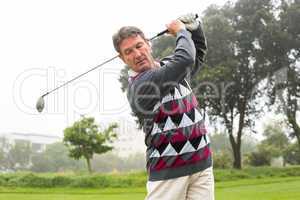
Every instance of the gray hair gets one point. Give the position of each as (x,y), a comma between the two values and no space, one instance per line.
(126,32)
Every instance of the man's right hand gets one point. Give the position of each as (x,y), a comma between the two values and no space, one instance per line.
(174,27)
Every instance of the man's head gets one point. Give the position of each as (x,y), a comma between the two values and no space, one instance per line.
(133,48)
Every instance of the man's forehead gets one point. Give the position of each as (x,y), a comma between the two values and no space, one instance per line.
(131,41)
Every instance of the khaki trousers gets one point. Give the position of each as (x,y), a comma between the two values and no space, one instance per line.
(198,186)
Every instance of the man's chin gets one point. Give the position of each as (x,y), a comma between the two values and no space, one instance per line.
(144,68)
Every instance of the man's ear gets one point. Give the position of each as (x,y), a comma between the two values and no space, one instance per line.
(149,43)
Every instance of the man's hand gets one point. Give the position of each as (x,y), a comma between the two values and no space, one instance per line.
(190,21)
(175,26)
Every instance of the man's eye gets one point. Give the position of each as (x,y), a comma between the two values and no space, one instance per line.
(127,52)
(139,45)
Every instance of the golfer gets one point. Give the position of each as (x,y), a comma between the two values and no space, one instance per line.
(179,160)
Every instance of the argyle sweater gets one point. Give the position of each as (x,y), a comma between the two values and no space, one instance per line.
(175,134)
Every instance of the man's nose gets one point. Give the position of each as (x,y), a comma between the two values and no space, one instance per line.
(137,53)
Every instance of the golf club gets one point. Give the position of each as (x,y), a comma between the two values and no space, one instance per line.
(41,102)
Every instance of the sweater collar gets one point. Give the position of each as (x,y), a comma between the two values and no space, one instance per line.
(133,74)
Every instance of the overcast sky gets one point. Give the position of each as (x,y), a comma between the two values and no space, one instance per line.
(46,43)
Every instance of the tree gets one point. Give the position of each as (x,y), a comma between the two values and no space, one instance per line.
(54,159)
(276,138)
(4,147)
(221,148)
(221,143)
(244,39)
(229,96)
(18,156)
(2,159)
(84,139)
(286,83)
(261,157)
(275,144)
(292,154)
(222,160)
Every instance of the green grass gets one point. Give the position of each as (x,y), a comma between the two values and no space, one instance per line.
(260,189)
(285,188)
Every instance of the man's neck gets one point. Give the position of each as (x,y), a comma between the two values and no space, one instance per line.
(132,73)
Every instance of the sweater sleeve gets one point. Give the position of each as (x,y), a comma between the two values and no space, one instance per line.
(201,47)
(151,85)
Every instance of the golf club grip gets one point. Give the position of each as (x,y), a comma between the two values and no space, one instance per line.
(161,33)
(165,31)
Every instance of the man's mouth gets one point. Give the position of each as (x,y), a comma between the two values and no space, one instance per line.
(140,62)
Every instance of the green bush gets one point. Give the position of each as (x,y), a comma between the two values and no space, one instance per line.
(30,180)
(256,172)
(258,159)
(3,180)
(292,154)
(112,181)
(230,174)
(84,182)
(127,180)
(61,181)
(222,160)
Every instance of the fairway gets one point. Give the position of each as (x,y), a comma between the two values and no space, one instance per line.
(248,189)
(263,189)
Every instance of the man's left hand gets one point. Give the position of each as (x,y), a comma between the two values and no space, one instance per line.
(190,21)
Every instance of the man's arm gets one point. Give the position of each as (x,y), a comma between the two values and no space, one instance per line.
(175,67)
(201,46)
(151,85)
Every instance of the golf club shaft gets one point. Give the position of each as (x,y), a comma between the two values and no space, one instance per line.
(107,61)
(159,34)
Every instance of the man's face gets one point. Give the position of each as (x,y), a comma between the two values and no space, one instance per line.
(136,53)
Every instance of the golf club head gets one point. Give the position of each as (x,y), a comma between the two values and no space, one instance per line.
(40,104)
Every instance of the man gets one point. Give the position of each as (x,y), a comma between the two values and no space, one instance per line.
(179,159)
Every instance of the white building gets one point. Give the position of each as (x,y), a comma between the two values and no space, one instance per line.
(129,141)
(38,141)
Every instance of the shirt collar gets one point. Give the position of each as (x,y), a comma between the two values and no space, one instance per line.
(132,73)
